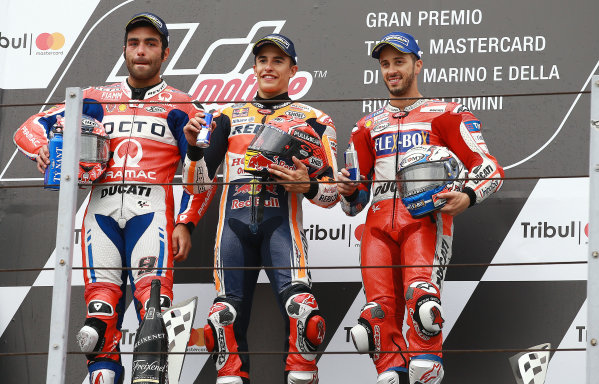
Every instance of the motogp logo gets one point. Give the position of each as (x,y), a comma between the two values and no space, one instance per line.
(234,84)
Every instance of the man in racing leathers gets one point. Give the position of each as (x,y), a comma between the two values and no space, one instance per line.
(130,218)
(261,225)
(391,236)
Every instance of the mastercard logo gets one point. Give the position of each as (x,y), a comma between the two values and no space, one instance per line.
(53,41)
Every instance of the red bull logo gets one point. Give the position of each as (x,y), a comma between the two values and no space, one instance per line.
(271,202)
(258,162)
(254,188)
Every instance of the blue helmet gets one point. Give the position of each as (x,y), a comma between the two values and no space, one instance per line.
(423,173)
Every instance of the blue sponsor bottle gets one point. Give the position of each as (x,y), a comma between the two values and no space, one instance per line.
(52,175)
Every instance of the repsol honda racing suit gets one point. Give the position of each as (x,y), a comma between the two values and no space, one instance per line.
(126,224)
(261,225)
(392,237)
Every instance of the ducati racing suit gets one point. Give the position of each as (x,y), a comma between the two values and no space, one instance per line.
(261,225)
(392,237)
(127,225)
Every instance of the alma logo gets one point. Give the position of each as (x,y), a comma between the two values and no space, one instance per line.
(53,41)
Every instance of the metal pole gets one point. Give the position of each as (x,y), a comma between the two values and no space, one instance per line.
(67,200)
(593,277)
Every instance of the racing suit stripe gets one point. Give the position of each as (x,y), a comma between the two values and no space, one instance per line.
(218,285)
(297,239)
(161,254)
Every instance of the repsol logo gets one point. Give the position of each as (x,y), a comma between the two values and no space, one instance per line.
(135,126)
(138,190)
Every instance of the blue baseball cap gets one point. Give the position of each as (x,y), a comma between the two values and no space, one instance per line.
(151,19)
(403,42)
(280,41)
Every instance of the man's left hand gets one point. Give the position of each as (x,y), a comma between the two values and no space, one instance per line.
(457,202)
(281,173)
(181,242)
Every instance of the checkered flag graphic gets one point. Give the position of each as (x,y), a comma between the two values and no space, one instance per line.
(179,321)
(531,367)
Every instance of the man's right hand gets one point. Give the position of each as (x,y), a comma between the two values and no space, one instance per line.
(346,189)
(43,159)
(193,126)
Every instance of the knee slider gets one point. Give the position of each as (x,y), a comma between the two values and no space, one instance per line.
(91,336)
(427,371)
(425,308)
(219,333)
(300,377)
(392,377)
(364,336)
(304,316)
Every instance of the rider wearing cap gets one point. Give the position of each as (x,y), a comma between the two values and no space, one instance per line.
(261,225)
(126,224)
(391,235)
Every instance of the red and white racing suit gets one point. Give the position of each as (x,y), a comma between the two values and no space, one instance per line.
(275,237)
(126,224)
(392,237)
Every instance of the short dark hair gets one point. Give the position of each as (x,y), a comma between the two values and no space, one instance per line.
(143,23)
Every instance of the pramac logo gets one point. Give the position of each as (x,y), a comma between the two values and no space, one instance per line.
(53,41)
(128,152)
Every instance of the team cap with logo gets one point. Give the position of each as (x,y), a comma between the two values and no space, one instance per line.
(151,18)
(280,41)
(403,42)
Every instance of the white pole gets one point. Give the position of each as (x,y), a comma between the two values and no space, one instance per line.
(67,200)
(593,277)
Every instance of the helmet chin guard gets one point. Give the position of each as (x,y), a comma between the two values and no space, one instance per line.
(423,173)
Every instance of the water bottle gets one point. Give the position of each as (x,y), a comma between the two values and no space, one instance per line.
(151,337)
(52,175)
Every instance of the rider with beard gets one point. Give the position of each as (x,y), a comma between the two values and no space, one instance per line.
(391,235)
(130,220)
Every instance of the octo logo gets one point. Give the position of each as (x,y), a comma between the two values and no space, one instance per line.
(53,41)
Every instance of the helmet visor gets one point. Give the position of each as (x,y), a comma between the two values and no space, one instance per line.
(94,148)
(274,141)
(421,177)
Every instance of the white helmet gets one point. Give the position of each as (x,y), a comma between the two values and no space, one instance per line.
(423,173)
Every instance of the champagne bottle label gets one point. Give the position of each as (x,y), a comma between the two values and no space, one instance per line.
(150,367)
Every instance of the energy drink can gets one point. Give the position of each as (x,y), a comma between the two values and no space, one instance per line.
(203,140)
(351,163)
(52,175)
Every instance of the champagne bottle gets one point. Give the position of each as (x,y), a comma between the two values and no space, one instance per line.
(151,368)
